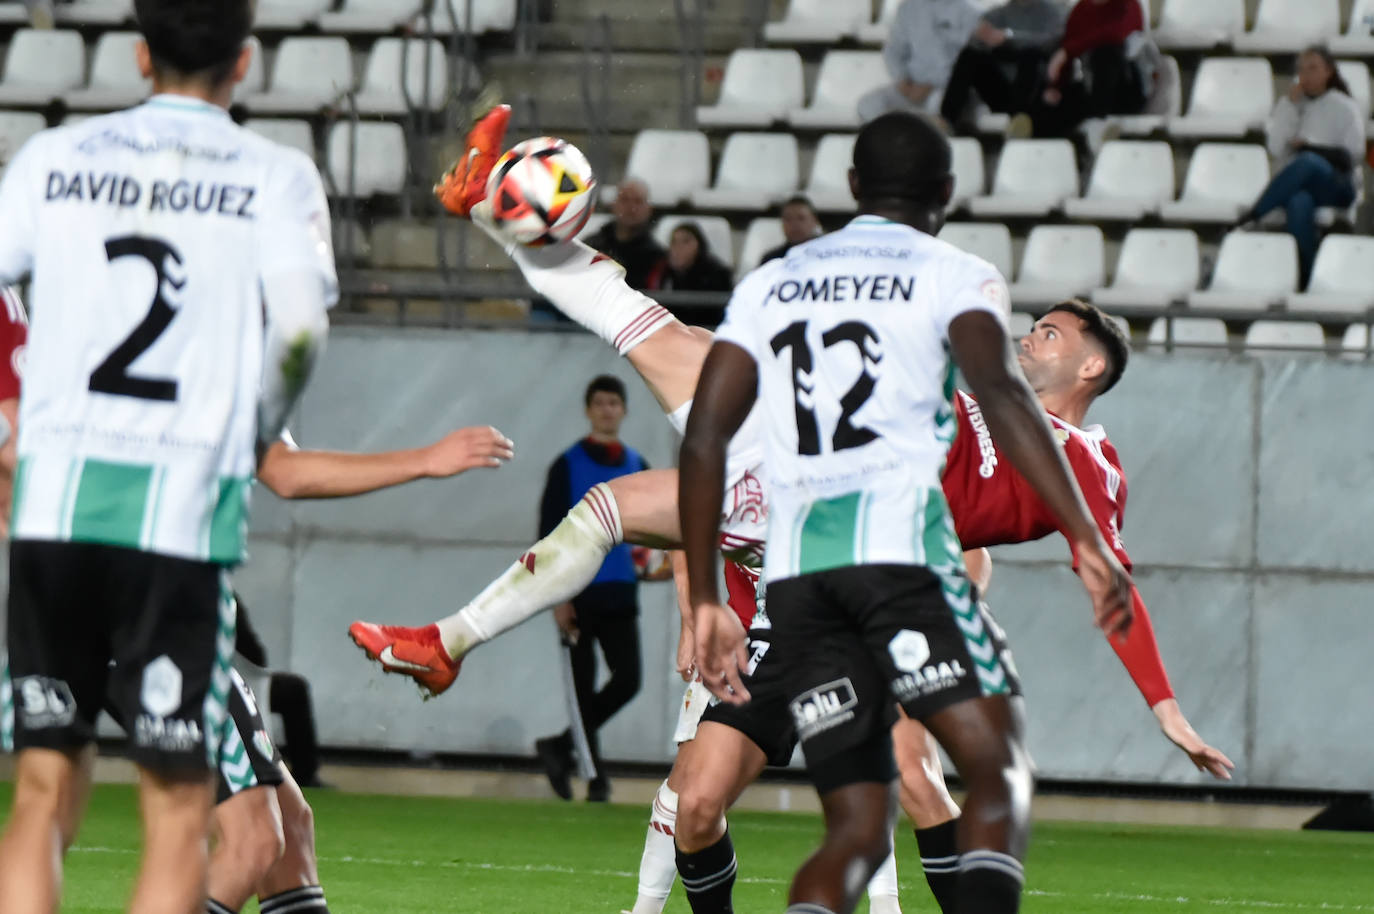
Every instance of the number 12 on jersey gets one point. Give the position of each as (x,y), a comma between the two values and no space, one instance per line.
(846,434)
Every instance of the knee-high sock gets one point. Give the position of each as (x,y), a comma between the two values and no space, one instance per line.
(990,882)
(882,888)
(939,846)
(555,569)
(306,900)
(708,877)
(658,866)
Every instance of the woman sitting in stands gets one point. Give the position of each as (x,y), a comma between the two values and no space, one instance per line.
(1317,140)
(691,267)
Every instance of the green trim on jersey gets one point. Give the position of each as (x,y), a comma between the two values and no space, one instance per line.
(111,501)
(21,475)
(229,524)
(829,534)
(6,705)
(234,764)
(215,712)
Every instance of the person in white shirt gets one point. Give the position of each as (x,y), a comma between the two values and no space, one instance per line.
(925,40)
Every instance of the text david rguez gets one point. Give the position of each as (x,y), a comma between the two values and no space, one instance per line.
(125,192)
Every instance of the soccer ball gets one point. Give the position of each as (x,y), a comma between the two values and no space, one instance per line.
(541,192)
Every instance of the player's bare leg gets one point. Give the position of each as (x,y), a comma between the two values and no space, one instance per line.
(248,842)
(49,791)
(293,883)
(176,821)
(858,827)
(926,800)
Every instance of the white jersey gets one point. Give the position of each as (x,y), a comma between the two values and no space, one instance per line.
(744,513)
(149,234)
(850,334)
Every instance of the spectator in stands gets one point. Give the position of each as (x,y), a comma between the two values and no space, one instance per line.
(1005,61)
(690,265)
(627,238)
(800,223)
(1094,72)
(926,38)
(1317,140)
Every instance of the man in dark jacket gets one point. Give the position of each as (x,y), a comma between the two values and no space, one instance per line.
(1005,60)
(627,238)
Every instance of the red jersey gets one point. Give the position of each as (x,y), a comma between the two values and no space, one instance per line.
(994,505)
(742,583)
(14,335)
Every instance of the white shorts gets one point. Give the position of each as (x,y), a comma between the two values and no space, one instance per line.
(695,701)
(744,514)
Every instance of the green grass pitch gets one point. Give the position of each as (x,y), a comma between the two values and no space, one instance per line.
(409,854)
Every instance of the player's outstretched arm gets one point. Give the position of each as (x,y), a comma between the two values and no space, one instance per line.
(1182,734)
(292,473)
(724,396)
(1018,425)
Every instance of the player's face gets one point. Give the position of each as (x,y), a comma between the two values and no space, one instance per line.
(606,412)
(1053,352)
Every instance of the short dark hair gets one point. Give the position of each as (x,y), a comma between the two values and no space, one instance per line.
(195,38)
(801,200)
(902,156)
(693,229)
(1106,332)
(605,383)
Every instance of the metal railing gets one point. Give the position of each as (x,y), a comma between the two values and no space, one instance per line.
(691,28)
(597,61)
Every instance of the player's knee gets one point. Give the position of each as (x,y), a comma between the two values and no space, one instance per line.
(700,818)
(299,826)
(41,787)
(257,850)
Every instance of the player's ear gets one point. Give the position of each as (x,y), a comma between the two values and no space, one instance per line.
(143,56)
(854,183)
(946,191)
(245,60)
(1094,367)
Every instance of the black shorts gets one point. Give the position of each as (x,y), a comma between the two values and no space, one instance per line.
(248,757)
(850,640)
(166,623)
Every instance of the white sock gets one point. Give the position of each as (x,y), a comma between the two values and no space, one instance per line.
(882,888)
(553,570)
(658,866)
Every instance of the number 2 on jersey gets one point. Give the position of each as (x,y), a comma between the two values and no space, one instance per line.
(112,375)
(846,435)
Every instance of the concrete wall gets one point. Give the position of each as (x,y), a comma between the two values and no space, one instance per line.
(1249,487)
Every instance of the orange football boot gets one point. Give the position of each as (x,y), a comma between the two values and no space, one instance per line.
(415,652)
(465,184)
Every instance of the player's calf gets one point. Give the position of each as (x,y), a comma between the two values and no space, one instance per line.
(248,842)
(36,834)
(176,817)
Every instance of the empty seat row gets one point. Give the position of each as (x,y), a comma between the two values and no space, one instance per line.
(354,16)
(1281,26)
(1260,335)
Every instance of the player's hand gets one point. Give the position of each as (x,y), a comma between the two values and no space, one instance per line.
(467,449)
(1108,585)
(722,652)
(565,617)
(1295,92)
(1181,734)
(687,654)
(1055,68)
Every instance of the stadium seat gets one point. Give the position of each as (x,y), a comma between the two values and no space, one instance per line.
(594,223)
(756,171)
(1187,331)
(255,80)
(115,81)
(309,74)
(1231,96)
(876,32)
(1021,324)
(1358,40)
(762,236)
(819,21)
(759,88)
(674,163)
(969,178)
(1356,74)
(13,12)
(1157,268)
(15,129)
(1356,341)
(1129,180)
(1288,26)
(1059,262)
(1223,179)
(41,66)
(1254,270)
(369,16)
(381,161)
(96,12)
(1167,102)
(715,228)
(426,83)
(845,77)
(988,240)
(1187,25)
(288,15)
(1342,277)
(828,188)
(1033,178)
(1285,335)
(286,131)
(485,16)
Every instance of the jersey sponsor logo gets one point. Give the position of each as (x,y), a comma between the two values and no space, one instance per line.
(933,678)
(876,251)
(125,192)
(909,650)
(154,732)
(263,743)
(844,289)
(824,707)
(389,658)
(986,448)
(995,292)
(164,144)
(44,702)
(161,690)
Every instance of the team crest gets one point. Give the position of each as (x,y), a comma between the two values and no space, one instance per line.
(263,743)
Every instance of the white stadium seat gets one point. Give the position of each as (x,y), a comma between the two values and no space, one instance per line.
(1157,268)
(96,12)
(674,163)
(988,240)
(1356,74)
(820,21)
(1165,103)
(1288,26)
(845,77)
(828,188)
(484,15)
(715,228)
(1358,40)
(1223,180)
(1021,324)
(762,236)
(759,88)
(1254,270)
(1285,335)
(1342,277)
(13,13)
(594,223)
(41,66)
(15,129)
(756,171)
(426,82)
(365,16)
(115,81)
(970,179)
(877,32)
(1187,331)
(1190,25)
(381,160)
(255,80)
(1356,341)
(288,15)
(1033,178)
(1130,179)
(1231,96)
(286,131)
(1060,261)
(309,74)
